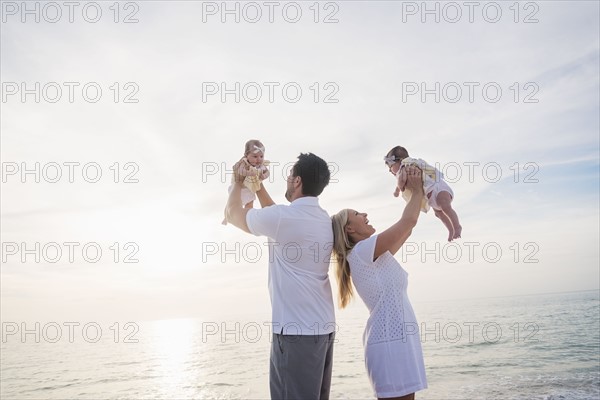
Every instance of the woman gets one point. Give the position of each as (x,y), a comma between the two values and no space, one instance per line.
(393,354)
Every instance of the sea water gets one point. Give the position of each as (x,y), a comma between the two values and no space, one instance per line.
(522,347)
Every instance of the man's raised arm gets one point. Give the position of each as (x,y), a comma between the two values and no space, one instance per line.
(264,197)
(235,211)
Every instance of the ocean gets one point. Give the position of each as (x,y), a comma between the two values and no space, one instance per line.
(522,347)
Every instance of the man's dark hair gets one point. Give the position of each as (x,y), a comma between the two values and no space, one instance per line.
(313,171)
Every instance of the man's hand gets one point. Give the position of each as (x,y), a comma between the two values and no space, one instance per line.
(265,174)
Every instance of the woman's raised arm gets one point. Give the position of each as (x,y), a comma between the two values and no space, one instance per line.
(394,237)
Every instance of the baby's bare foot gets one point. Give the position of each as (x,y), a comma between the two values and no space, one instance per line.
(457,232)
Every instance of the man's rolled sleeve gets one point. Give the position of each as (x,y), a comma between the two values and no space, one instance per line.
(264,221)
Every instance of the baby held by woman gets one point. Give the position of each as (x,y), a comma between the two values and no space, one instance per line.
(438,195)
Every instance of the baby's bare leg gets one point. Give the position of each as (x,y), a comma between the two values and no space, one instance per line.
(444,200)
(446,220)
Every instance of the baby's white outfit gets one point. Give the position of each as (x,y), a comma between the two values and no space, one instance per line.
(433,183)
(252,181)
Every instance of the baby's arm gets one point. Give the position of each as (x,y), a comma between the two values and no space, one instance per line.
(264,173)
(244,168)
(401,181)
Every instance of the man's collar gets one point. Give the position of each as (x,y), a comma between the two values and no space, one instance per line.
(305,201)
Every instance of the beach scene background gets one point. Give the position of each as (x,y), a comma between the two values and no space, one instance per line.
(119,125)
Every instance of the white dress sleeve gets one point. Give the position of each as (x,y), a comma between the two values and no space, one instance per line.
(365,249)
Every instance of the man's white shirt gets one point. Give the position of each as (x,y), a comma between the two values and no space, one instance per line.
(300,238)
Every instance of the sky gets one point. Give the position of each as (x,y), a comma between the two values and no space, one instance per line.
(140,110)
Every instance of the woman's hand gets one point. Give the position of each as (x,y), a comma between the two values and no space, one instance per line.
(394,237)
(414,180)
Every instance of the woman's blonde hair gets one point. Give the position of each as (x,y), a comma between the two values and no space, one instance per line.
(341,247)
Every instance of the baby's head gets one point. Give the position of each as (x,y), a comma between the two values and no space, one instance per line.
(254,152)
(394,157)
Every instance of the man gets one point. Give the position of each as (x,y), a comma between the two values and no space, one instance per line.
(300,238)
